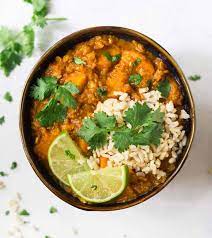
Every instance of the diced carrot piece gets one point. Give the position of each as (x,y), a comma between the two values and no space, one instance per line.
(83,145)
(103,162)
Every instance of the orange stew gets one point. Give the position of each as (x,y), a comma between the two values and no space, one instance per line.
(101,72)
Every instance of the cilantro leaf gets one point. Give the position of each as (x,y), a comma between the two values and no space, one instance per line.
(150,135)
(135,79)
(164,87)
(101,91)
(110,57)
(44,88)
(95,130)
(2,120)
(8,97)
(122,138)
(105,121)
(51,113)
(89,129)
(136,62)
(137,114)
(194,77)
(26,39)
(79,61)
(10,57)
(24,212)
(146,127)
(64,96)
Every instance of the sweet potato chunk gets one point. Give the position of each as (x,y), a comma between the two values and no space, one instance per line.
(78,78)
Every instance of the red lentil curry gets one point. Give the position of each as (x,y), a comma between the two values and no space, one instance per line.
(102,64)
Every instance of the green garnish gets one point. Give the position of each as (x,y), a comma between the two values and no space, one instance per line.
(8,97)
(77,60)
(94,187)
(110,57)
(102,91)
(14,46)
(2,120)
(44,88)
(194,77)
(3,174)
(51,113)
(136,62)
(24,213)
(53,210)
(146,128)
(47,237)
(69,154)
(95,130)
(135,79)
(164,87)
(14,165)
(7,212)
(61,98)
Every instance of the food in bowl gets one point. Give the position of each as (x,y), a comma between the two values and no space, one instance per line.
(108,120)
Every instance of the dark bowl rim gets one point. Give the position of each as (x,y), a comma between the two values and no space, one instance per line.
(135,34)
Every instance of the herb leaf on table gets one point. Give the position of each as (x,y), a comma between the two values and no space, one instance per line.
(14,46)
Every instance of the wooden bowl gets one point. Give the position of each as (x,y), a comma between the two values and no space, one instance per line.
(60,48)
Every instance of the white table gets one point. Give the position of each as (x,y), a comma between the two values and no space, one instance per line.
(184,208)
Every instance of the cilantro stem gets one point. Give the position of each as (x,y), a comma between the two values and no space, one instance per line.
(56,19)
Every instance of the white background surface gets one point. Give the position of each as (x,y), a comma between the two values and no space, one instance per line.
(181,210)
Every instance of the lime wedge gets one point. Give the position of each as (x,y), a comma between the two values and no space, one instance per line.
(65,158)
(101,185)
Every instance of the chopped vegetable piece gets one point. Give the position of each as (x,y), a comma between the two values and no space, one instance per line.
(194,77)
(103,162)
(135,79)
(53,210)
(77,60)
(3,174)
(24,213)
(111,58)
(8,97)
(14,165)
(136,62)
(2,120)
(102,91)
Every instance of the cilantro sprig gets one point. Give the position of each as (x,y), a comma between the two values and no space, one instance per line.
(146,128)
(14,46)
(95,130)
(61,98)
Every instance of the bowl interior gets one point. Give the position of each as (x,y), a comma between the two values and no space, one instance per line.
(60,48)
